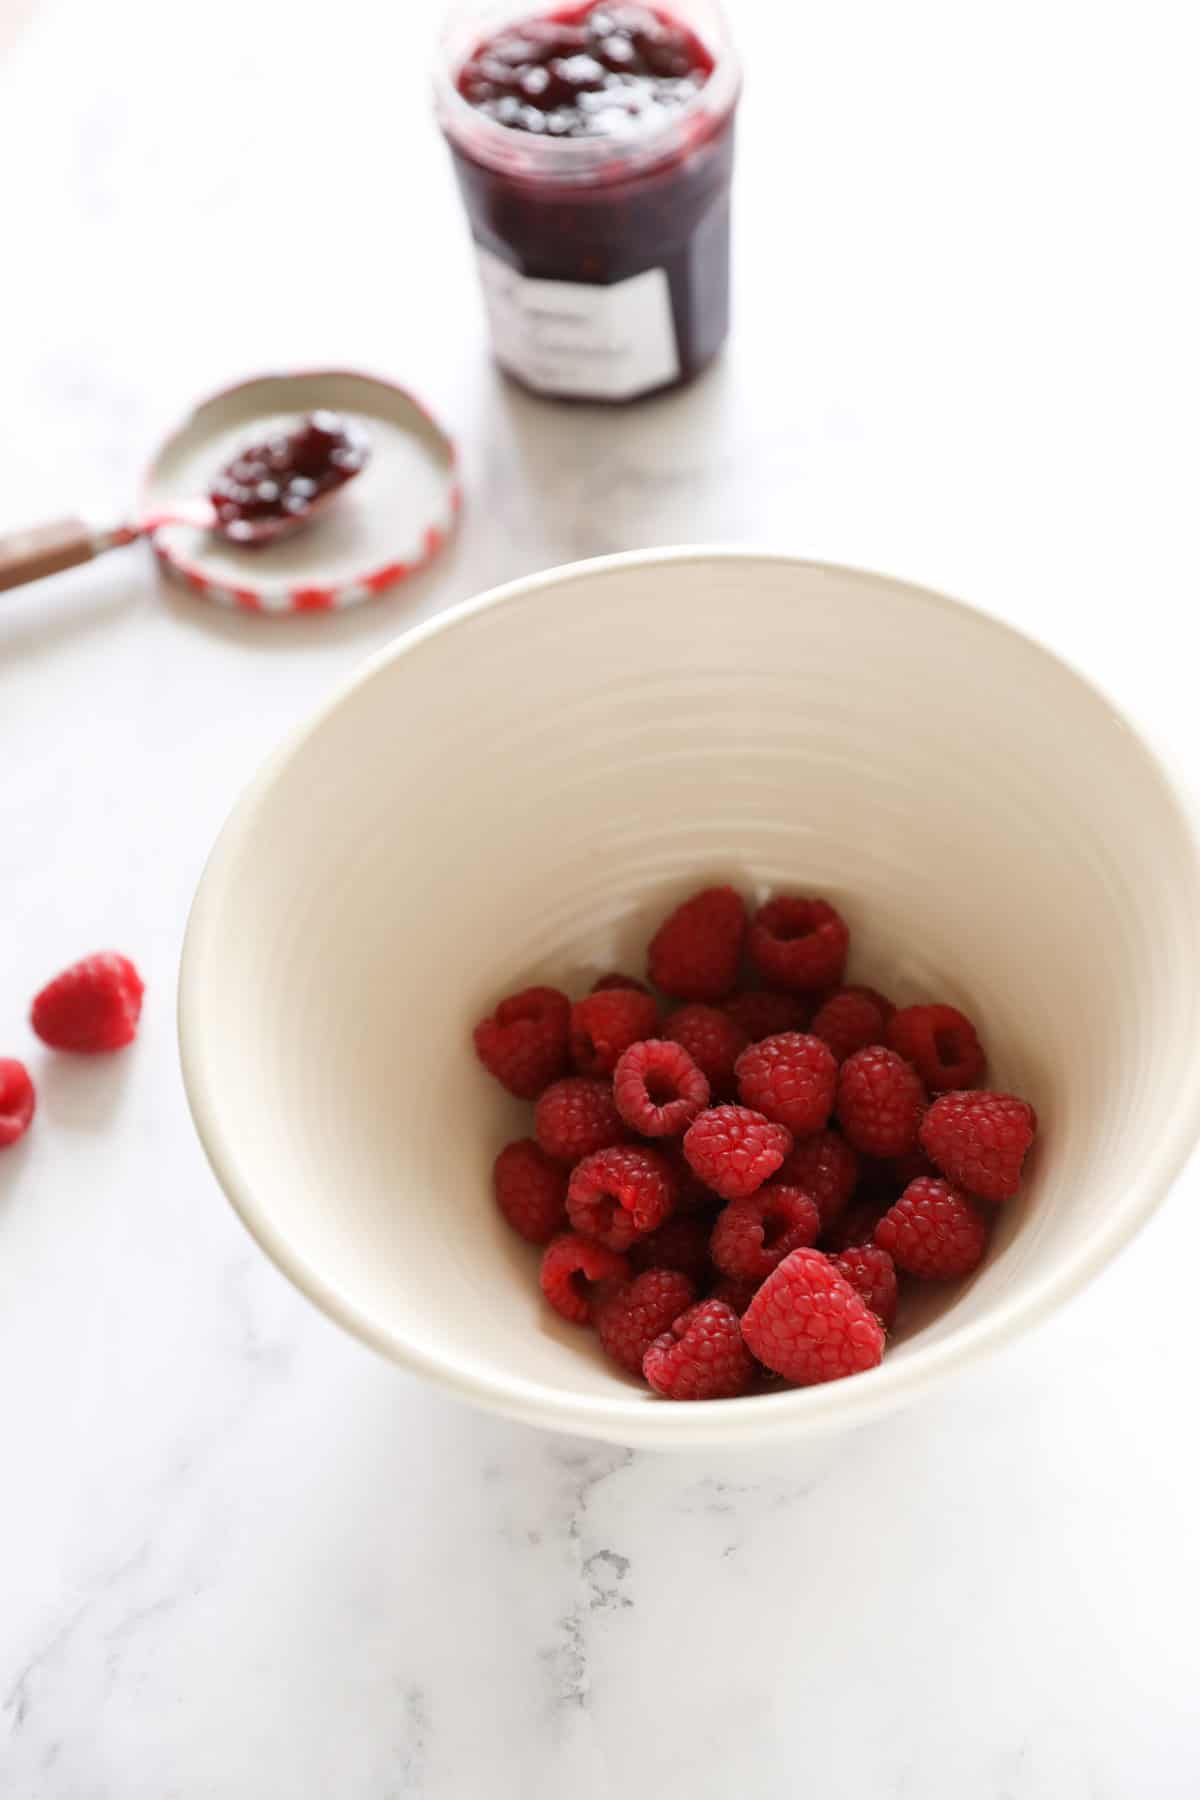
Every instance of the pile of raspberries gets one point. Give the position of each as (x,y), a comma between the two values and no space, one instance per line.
(732,1192)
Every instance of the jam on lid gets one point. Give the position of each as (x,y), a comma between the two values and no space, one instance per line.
(591,71)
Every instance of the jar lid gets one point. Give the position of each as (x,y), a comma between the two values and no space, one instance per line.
(390,521)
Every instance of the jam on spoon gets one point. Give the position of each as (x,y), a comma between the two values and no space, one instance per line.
(272,487)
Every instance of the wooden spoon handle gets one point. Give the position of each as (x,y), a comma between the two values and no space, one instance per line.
(40,550)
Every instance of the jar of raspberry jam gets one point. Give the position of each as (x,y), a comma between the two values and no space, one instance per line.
(593,146)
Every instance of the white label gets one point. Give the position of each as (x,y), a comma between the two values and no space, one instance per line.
(571,337)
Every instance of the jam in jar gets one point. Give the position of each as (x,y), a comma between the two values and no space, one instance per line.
(593,146)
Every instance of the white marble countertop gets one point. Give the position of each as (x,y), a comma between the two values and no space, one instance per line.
(239,1555)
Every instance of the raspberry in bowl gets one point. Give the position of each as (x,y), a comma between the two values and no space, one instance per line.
(807,1214)
(593,146)
(386,883)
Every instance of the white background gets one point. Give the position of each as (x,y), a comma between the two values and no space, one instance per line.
(241,1557)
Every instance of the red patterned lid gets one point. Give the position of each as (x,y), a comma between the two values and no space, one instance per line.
(389,522)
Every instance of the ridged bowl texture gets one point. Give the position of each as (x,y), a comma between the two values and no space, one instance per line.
(519,791)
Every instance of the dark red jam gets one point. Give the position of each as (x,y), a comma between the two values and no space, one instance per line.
(634,92)
(592,71)
(280,479)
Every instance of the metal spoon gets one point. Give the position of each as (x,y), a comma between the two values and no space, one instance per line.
(39,550)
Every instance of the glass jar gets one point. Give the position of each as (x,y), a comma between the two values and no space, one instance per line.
(604,259)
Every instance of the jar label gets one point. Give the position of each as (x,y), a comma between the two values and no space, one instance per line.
(573,337)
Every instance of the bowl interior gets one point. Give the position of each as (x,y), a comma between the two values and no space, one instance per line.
(519,792)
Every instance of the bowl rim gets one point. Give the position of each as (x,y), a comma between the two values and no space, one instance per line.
(834,1406)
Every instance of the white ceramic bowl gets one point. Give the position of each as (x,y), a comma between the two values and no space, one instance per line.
(519,790)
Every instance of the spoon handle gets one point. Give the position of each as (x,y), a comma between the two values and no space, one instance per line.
(38,550)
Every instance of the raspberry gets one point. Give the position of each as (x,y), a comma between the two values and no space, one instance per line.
(694,954)
(871,1273)
(694,1197)
(572,1268)
(856,1226)
(92,1006)
(680,1244)
(979,1140)
(799,944)
(885,1006)
(849,1021)
(933,1231)
(605,1024)
(808,1324)
(879,1102)
(737,1294)
(531,1190)
(607,982)
(658,1088)
(714,1042)
(826,1168)
(631,1317)
(752,1236)
(940,1043)
(524,1043)
(791,1079)
(734,1150)
(576,1117)
(621,1194)
(701,1357)
(764,1014)
(17,1101)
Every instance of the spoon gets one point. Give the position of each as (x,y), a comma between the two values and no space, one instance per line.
(266,493)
